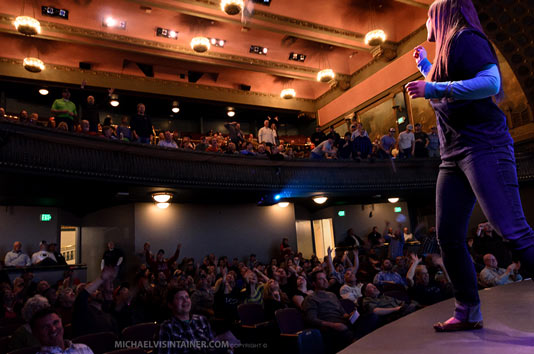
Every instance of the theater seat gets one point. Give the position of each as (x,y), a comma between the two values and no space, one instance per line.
(99,343)
(290,321)
(3,344)
(141,331)
(348,305)
(251,315)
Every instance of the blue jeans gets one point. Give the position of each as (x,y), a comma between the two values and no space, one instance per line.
(490,177)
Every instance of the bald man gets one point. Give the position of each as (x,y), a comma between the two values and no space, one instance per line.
(492,275)
(17,258)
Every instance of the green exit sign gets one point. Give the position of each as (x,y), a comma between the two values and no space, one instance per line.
(398,209)
(341,213)
(46,217)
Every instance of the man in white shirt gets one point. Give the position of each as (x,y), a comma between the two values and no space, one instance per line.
(492,275)
(266,134)
(408,236)
(406,143)
(43,255)
(168,142)
(17,258)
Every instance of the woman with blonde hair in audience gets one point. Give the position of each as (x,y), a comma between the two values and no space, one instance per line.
(273,299)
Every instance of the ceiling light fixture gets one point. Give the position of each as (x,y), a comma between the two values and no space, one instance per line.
(114,100)
(320,200)
(200,44)
(34,65)
(175,108)
(113,23)
(375,37)
(27,25)
(232,7)
(283,204)
(163,205)
(52,11)
(162,197)
(231,112)
(43,91)
(288,93)
(393,200)
(166,33)
(256,49)
(326,75)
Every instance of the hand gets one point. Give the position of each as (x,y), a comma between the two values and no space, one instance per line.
(416,89)
(329,250)
(511,268)
(419,53)
(414,258)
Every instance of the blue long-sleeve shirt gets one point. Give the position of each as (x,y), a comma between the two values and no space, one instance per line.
(486,83)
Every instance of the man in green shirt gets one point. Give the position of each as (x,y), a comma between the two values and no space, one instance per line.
(64,110)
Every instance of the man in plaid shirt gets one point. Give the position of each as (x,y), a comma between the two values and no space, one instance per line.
(185,333)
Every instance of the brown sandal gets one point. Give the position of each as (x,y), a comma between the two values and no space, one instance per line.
(461,326)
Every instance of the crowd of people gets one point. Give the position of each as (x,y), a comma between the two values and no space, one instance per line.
(198,301)
(355,144)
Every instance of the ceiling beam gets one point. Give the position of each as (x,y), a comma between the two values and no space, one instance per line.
(66,75)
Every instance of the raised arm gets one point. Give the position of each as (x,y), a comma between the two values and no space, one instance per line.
(411,272)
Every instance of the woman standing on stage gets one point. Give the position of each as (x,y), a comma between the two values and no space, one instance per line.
(476,149)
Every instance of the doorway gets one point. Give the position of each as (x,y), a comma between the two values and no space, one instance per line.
(69,243)
(323,230)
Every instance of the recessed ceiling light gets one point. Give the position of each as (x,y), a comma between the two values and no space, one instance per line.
(393,200)
(162,197)
(283,204)
(43,91)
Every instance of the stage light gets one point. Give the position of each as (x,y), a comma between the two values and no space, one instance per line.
(320,200)
(297,57)
(256,49)
(393,200)
(277,197)
(53,12)
(162,197)
(43,91)
(283,204)
(166,33)
(113,23)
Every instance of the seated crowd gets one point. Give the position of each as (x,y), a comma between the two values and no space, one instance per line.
(367,284)
(355,144)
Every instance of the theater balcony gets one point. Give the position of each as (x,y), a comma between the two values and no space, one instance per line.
(40,167)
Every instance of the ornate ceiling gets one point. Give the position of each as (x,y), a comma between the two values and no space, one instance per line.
(330,34)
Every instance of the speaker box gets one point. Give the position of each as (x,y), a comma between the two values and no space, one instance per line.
(244,87)
(85,66)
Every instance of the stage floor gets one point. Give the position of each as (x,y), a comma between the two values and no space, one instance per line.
(508,327)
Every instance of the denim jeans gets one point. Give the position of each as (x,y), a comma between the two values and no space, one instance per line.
(490,177)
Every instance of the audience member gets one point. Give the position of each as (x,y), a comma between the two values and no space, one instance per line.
(160,264)
(406,143)
(43,257)
(388,276)
(168,142)
(433,143)
(52,249)
(386,145)
(64,110)
(124,133)
(422,288)
(318,137)
(91,113)
(387,307)
(17,258)
(141,126)
(266,135)
(421,142)
(492,275)
(324,150)
(48,328)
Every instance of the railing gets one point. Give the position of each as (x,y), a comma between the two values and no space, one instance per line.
(34,150)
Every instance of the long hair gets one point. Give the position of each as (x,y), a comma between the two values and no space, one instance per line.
(448,18)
